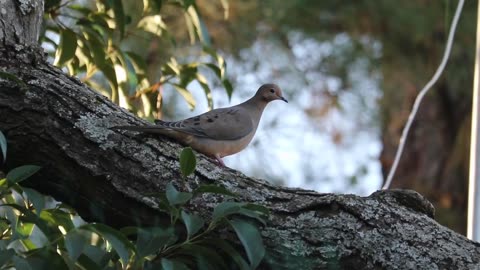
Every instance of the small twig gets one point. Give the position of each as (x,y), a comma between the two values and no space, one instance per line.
(422,93)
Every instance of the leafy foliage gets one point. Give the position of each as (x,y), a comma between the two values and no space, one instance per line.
(36,234)
(99,42)
(3,146)
(187,162)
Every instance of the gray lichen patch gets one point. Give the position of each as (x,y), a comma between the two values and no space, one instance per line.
(95,129)
(208,170)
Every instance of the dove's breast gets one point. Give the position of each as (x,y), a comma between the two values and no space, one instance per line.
(221,148)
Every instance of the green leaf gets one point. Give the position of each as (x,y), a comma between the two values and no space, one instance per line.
(97,23)
(3,146)
(87,263)
(119,242)
(188,162)
(57,217)
(151,240)
(103,64)
(67,47)
(187,74)
(215,69)
(186,95)
(95,255)
(171,67)
(226,208)
(206,89)
(228,87)
(21,173)
(214,189)
(152,6)
(173,265)
(258,208)
(194,22)
(153,24)
(21,263)
(138,64)
(188,3)
(205,264)
(109,73)
(206,257)
(80,8)
(119,16)
(252,214)
(230,251)
(97,49)
(6,256)
(251,240)
(45,258)
(75,242)
(175,197)
(37,199)
(203,32)
(193,223)
(27,217)
(255,211)
(24,230)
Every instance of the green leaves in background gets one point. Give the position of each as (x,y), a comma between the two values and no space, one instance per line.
(95,245)
(3,147)
(153,24)
(66,48)
(37,199)
(151,240)
(173,265)
(94,42)
(188,162)
(119,15)
(119,242)
(193,223)
(175,197)
(21,173)
(75,243)
(251,240)
(6,255)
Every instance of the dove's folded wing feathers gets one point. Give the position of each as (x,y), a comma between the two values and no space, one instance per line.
(219,124)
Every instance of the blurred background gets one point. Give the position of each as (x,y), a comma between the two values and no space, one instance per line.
(350,71)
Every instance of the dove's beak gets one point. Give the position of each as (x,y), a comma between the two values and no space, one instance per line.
(284,99)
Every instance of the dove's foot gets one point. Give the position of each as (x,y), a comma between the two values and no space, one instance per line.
(220,161)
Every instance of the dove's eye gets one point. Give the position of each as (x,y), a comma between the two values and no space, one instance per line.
(272,90)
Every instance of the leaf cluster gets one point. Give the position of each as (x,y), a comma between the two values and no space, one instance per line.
(98,42)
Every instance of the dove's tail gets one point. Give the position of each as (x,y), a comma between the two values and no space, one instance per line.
(147,129)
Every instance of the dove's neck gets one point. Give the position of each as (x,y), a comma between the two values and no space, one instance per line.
(255,107)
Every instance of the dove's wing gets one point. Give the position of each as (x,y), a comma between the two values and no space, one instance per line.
(219,124)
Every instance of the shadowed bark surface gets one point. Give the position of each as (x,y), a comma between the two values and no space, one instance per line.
(54,121)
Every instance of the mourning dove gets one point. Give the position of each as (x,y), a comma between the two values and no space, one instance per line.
(220,132)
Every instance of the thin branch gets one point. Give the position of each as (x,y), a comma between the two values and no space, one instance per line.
(422,93)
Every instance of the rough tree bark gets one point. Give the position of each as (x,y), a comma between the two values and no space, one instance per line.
(57,122)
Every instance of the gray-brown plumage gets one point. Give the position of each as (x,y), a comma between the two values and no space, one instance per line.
(220,132)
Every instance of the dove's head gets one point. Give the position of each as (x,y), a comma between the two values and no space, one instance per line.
(269,92)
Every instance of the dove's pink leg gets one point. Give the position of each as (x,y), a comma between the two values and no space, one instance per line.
(219,159)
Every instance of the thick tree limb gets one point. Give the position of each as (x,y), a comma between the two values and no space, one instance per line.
(57,122)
